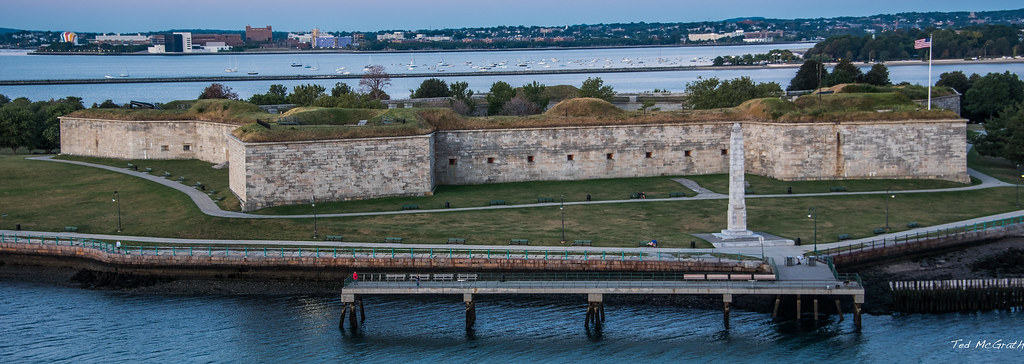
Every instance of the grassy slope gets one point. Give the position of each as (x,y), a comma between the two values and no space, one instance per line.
(767,186)
(48,196)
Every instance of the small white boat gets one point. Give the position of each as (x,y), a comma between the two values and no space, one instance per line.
(231,68)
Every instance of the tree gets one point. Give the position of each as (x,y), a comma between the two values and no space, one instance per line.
(306,95)
(878,75)
(843,72)
(15,125)
(278,94)
(218,91)
(1004,135)
(718,62)
(710,93)
(374,81)
(594,87)
(807,77)
(534,92)
(4,99)
(501,93)
(463,96)
(990,94)
(519,106)
(107,104)
(955,80)
(341,88)
(647,104)
(431,87)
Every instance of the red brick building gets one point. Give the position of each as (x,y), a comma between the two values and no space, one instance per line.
(258,35)
(233,40)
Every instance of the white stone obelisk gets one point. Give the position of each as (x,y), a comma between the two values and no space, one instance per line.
(737,227)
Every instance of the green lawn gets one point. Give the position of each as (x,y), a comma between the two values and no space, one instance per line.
(1000,168)
(518,193)
(193,170)
(48,196)
(766,186)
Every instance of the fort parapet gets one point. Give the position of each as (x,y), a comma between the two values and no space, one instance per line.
(280,173)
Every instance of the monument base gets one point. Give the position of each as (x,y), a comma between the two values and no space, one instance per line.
(721,240)
(735,234)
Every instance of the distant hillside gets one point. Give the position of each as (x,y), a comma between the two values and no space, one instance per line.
(8,30)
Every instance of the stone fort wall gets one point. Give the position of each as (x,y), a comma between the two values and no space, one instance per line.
(281,173)
(185,139)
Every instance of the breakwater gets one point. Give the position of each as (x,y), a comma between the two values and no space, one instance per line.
(957,295)
(120,80)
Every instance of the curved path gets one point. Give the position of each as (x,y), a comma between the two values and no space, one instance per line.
(208,207)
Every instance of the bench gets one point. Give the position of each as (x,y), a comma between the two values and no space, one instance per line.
(444,277)
(467,277)
(692,277)
(147,170)
(843,236)
(130,166)
(545,199)
(912,225)
(392,240)
(582,243)
(837,189)
(456,240)
(677,194)
(496,202)
(394,277)
(410,207)
(634,196)
(519,242)
(167,174)
(334,238)
(749,192)
(878,231)
(421,276)
(219,199)
(71,228)
(718,277)
(181,179)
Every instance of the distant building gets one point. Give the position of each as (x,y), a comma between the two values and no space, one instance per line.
(391,36)
(231,40)
(258,35)
(703,37)
(118,39)
(180,42)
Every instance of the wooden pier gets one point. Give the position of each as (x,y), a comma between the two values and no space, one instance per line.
(471,284)
(957,295)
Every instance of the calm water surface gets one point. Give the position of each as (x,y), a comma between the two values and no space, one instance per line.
(17,65)
(44,323)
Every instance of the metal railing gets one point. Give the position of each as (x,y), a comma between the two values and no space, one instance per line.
(920,236)
(585,280)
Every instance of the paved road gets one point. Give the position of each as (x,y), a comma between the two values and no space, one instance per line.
(208,207)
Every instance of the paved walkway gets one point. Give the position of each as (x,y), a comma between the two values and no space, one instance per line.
(208,207)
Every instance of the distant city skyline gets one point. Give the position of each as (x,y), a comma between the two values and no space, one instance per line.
(143,16)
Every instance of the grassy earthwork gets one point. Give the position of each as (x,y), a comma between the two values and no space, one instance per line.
(47,196)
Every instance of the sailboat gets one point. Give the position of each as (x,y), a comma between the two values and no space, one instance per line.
(253,71)
(232,68)
(412,63)
(367,68)
(317,65)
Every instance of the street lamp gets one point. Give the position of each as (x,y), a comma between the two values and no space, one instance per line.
(813,214)
(561,207)
(313,202)
(888,196)
(117,200)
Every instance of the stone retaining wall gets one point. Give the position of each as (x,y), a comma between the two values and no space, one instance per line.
(184,139)
(183,263)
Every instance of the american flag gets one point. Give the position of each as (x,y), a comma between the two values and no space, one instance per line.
(923,43)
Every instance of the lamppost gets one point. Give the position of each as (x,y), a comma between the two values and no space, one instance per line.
(117,200)
(561,207)
(813,214)
(888,196)
(313,203)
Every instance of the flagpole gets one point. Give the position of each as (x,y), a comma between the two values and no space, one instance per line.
(930,46)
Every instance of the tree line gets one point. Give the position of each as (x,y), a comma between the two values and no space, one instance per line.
(979,41)
(33,125)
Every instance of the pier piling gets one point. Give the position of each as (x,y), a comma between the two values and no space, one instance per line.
(726,300)
(470,310)
(839,310)
(775,311)
(798,308)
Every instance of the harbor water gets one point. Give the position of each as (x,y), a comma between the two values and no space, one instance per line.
(54,324)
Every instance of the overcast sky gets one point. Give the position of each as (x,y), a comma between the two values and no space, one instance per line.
(371,15)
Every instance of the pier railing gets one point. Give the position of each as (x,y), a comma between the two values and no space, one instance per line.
(1006,224)
(254,252)
(581,280)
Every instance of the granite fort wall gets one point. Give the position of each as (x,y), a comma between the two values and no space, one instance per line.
(145,139)
(928,149)
(514,155)
(283,173)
